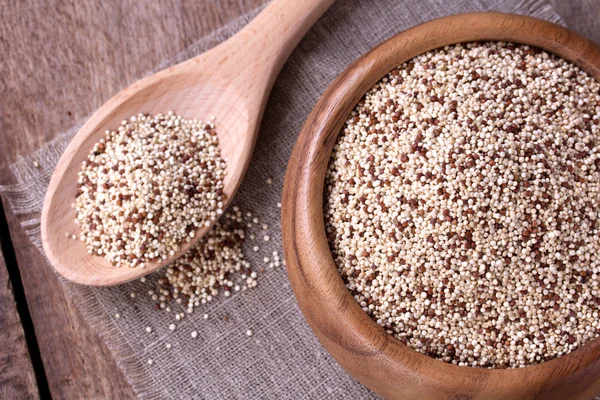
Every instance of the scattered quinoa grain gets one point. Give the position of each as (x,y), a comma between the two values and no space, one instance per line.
(210,266)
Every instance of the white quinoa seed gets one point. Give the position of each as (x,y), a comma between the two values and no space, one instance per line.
(462,205)
(249,332)
(194,334)
(147,186)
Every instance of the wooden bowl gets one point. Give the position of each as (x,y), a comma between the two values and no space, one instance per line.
(362,347)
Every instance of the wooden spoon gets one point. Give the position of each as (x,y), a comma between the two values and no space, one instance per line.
(231,82)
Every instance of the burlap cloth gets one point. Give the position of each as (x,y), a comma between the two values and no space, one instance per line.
(282,359)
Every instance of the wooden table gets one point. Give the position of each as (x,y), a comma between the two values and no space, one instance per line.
(61,59)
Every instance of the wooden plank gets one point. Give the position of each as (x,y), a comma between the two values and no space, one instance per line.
(77,364)
(61,60)
(17,378)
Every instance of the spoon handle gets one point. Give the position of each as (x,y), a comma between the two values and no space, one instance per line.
(268,40)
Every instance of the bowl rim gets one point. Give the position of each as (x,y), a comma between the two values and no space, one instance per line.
(362,347)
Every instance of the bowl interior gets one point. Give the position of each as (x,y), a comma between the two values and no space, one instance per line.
(363,348)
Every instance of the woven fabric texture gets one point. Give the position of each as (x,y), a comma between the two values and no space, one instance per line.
(283,359)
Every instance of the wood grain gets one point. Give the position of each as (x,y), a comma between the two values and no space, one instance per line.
(77,363)
(363,348)
(231,82)
(17,378)
(61,60)
(581,16)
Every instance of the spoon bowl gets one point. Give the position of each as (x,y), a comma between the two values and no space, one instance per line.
(229,83)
